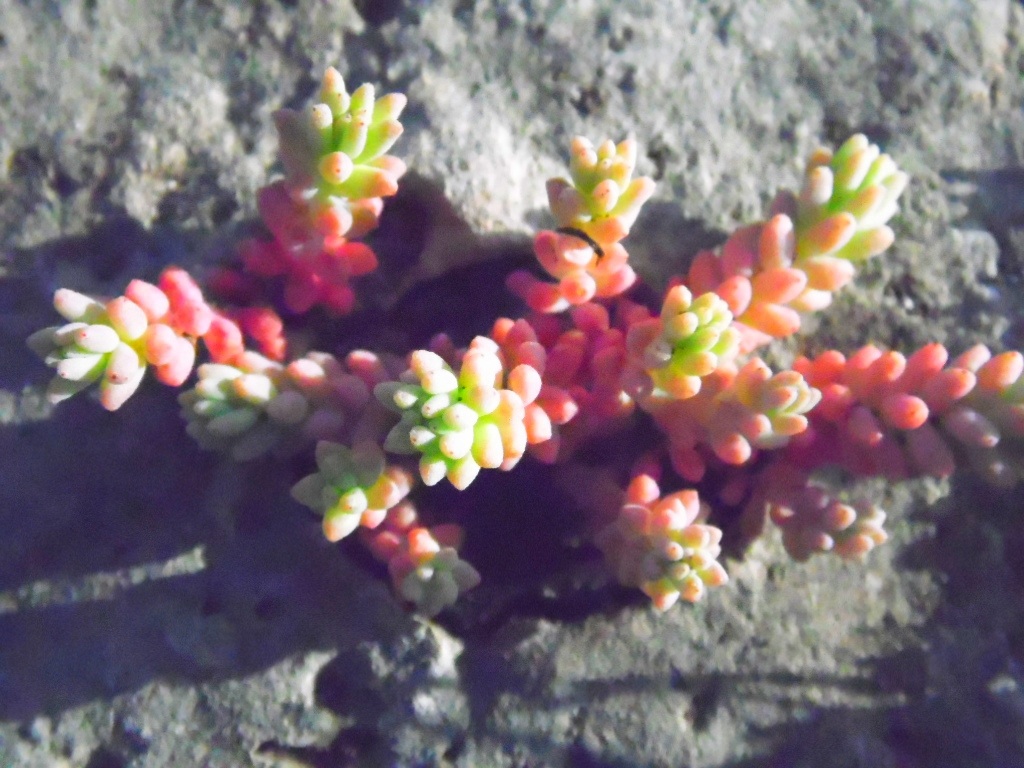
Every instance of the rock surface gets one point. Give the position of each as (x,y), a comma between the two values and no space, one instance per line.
(159,607)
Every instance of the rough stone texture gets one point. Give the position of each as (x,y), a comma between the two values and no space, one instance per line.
(161,608)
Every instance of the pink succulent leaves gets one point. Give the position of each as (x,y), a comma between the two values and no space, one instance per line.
(657,544)
(886,414)
(316,270)
(554,405)
(460,422)
(113,342)
(594,211)
(734,414)
(991,416)
(352,487)
(580,361)
(264,326)
(337,173)
(334,155)
(771,272)
(812,521)
(316,275)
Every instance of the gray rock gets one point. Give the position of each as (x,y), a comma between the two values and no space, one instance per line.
(160,608)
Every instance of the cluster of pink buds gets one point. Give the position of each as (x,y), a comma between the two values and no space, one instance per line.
(114,341)
(594,211)
(264,326)
(657,544)
(423,562)
(554,405)
(588,359)
(768,273)
(811,519)
(254,404)
(337,173)
(312,275)
(886,414)
(460,422)
(580,364)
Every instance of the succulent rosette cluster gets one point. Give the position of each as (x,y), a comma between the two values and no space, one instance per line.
(761,409)
(657,544)
(692,338)
(335,157)
(771,272)
(460,422)
(884,414)
(337,172)
(423,563)
(113,342)
(595,209)
(241,409)
(255,405)
(351,487)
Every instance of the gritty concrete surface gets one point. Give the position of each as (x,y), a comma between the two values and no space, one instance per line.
(160,607)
